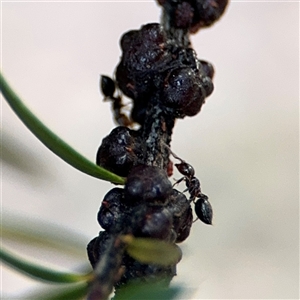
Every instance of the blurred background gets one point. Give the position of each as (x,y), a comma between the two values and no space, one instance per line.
(244,144)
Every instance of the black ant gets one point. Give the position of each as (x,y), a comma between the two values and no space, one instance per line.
(108,88)
(192,182)
(203,208)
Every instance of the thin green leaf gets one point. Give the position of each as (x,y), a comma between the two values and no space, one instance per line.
(39,272)
(19,157)
(152,251)
(147,291)
(52,141)
(73,292)
(41,234)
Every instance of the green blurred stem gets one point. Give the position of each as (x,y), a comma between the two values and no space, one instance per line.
(39,272)
(73,292)
(42,235)
(52,141)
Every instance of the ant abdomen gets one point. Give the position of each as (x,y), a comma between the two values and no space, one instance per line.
(108,86)
(204,210)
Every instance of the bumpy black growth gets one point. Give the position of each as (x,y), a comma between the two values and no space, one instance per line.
(161,74)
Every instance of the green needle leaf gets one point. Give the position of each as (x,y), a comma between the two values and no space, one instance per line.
(152,251)
(135,290)
(74,292)
(42,235)
(39,272)
(52,141)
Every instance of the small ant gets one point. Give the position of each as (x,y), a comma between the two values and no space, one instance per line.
(108,87)
(192,182)
(203,208)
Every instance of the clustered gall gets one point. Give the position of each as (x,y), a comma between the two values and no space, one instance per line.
(163,78)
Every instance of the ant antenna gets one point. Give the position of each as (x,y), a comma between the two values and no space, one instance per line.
(173,154)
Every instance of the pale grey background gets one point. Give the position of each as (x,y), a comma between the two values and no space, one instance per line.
(244,144)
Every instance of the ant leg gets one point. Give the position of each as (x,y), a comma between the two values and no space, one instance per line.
(178,181)
(192,199)
(173,154)
(120,117)
(123,120)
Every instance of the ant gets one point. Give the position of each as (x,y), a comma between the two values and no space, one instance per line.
(188,172)
(108,87)
(203,208)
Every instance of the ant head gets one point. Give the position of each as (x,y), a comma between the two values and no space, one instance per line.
(185,169)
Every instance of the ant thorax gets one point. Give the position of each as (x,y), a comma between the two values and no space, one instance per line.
(108,87)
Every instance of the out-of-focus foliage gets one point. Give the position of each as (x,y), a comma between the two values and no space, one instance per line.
(52,141)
